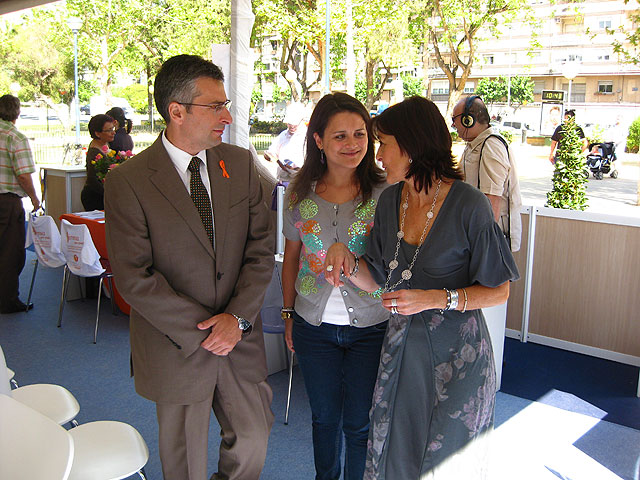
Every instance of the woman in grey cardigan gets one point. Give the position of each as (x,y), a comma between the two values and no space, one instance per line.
(336,332)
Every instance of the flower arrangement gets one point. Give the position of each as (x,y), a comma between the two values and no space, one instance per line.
(108,160)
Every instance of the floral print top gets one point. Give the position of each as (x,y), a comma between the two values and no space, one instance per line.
(318,224)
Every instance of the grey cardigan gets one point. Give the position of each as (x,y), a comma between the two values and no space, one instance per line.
(319,224)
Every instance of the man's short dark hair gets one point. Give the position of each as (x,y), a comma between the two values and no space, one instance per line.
(570,113)
(479,110)
(9,108)
(176,81)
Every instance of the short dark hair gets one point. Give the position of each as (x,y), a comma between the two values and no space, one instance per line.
(117,114)
(176,81)
(96,124)
(421,132)
(570,113)
(368,173)
(9,108)
(479,110)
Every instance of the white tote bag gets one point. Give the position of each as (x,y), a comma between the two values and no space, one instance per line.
(45,237)
(82,257)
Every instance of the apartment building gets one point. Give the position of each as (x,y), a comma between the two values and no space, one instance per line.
(573,42)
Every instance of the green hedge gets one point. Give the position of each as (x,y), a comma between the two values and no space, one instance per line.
(273,128)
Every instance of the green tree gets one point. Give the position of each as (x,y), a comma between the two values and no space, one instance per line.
(34,56)
(496,90)
(492,90)
(136,95)
(300,26)
(280,94)
(361,90)
(452,29)
(521,92)
(627,40)
(569,179)
(412,85)
(633,140)
(382,42)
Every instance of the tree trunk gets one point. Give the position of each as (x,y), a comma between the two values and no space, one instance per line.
(369,71)
(103,69)
(350,82)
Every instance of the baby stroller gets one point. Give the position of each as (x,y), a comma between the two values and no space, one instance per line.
(600,160)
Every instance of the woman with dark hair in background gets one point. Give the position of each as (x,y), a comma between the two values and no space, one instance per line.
(122,140)
(102,130)
(336,332)
(441,257)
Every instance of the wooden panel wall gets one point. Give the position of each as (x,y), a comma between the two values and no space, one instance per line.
(585,284)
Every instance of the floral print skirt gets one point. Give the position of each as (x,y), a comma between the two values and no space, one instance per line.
(434,399)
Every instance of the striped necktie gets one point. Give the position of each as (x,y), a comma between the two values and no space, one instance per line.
(200,197)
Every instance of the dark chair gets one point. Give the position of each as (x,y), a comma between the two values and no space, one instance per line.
(272,322)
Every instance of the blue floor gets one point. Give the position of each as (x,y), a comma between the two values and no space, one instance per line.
(535,379)
(531,370)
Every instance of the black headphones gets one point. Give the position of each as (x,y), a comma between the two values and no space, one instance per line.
(468,119)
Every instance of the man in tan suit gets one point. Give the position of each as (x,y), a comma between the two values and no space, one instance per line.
(191,247)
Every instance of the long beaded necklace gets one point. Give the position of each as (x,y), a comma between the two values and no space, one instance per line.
(393,264)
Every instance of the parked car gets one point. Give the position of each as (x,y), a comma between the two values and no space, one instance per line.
(515,125)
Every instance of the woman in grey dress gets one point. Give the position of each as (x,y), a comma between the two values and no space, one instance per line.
(440,257)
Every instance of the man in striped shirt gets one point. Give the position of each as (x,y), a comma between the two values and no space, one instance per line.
(16,167)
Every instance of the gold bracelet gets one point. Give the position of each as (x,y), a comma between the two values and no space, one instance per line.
(464,308)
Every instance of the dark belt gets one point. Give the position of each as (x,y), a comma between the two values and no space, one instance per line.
(11,194)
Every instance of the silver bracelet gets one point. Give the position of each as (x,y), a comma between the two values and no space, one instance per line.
(454,300)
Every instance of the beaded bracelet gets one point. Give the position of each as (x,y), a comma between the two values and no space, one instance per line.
(448,292)
(356,266)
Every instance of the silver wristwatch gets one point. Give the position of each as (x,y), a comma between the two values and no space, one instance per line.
(243,324)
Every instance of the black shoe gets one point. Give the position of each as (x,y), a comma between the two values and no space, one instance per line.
(16,307)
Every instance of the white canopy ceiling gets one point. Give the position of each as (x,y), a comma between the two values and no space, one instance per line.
(7,6)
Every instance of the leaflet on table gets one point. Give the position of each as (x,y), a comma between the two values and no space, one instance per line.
(92,215)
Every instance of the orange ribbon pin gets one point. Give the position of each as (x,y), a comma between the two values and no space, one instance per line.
(224,170)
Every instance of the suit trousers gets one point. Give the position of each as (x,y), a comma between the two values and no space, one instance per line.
(12,254)
(243,410)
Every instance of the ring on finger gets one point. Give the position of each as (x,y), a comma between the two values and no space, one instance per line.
(329,268)
(394,302)
(394,310)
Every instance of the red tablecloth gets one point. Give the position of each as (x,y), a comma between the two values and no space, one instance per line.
(96,229)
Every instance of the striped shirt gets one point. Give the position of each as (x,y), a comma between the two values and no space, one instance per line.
(15,158)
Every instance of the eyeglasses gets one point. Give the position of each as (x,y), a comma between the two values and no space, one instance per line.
(453,119)
(216,107)
(111,130)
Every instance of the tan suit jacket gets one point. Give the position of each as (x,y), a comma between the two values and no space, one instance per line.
(168,272)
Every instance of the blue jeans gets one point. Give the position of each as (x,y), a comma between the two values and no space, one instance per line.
(339,365)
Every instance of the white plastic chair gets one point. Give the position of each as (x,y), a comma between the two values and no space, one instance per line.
(32,446)
(53,401)
(107,450)
(11,374)
(83,260)
(43,233)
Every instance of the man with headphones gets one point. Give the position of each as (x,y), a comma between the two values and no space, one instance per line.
(487,163)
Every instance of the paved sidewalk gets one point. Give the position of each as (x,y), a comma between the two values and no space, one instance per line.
(609,196)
